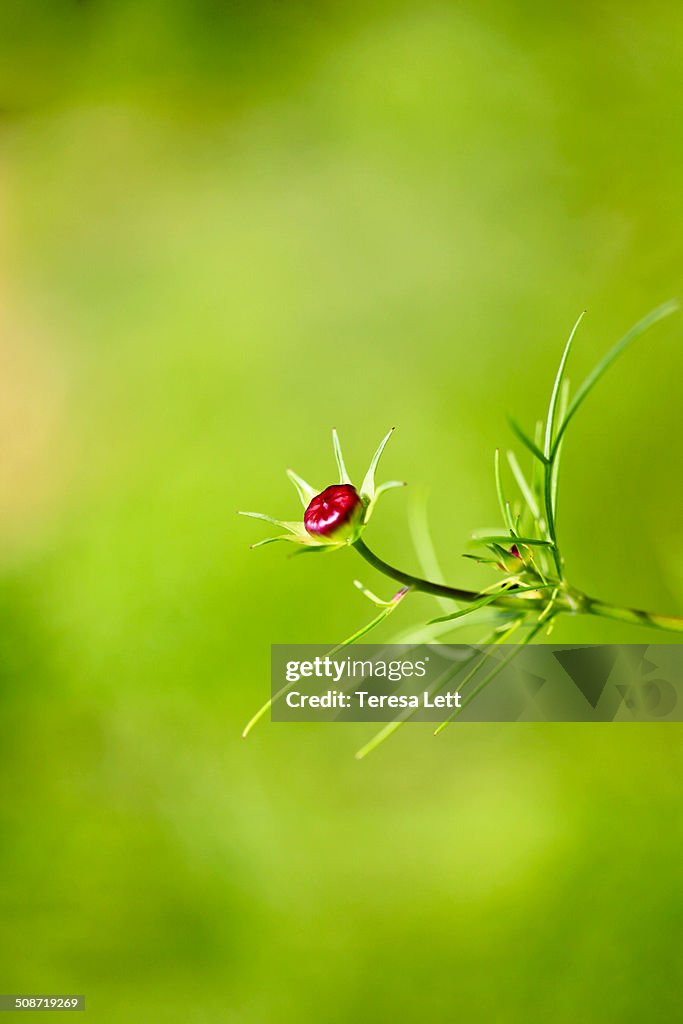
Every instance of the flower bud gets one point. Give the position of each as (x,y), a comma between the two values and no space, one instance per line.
(337,515)
(334,513)
(511,559)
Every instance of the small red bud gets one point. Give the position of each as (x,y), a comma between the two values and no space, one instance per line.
(514,550)
(334,512)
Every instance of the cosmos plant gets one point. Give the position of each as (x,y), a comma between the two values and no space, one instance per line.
(532,588)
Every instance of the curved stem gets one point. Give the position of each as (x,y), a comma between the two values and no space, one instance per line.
(438,589)
(426,586)
(585,604)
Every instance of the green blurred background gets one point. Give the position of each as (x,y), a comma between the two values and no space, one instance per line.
(226,228)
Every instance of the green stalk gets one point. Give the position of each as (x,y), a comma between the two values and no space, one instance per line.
(579,602)
(438,589)
(538,626)
(635,616)
(550,516)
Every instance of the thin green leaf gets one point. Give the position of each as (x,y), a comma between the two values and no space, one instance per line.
(504,505)
(493,673)
(431,634)
(384,614)
(550,476)
(372,504)
(370,595)
(488,599)
(364,629)
(526,440)
(468,609)
(345,643)
(554,398)
(564,400)
(643,325)
(524,487)
(549,607)
(508,539)
(388,730)
(483,657)
(389,486)
(555,471)
(538,468)
(391,727)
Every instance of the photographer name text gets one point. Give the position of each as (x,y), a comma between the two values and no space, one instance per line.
(365,699)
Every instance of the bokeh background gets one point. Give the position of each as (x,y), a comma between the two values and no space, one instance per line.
(226,228)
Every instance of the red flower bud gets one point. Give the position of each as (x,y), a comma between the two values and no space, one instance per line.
(514,551)
(334,513)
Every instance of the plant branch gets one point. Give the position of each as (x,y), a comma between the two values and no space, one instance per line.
(575,601)
(438,589)
(635,616)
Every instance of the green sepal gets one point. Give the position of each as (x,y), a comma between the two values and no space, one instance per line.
(292,527)
(305,491)
(344,477)
(370,507)
(367,491)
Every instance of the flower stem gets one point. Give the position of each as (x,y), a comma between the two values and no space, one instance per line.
(671,623)
(582,603)
(438,589)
